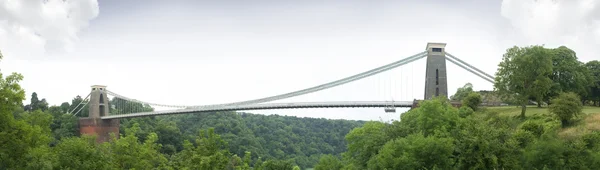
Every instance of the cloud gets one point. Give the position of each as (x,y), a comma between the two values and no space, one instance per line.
(556,22)
(51,25)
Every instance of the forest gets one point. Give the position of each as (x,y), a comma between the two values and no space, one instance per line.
(551,123)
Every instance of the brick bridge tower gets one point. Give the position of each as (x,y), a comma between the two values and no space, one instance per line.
(93,124)
(435,77)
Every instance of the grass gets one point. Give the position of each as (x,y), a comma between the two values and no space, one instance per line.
(588,122)
(533,110)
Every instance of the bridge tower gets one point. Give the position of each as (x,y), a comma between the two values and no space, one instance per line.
(435,76)
(98,107)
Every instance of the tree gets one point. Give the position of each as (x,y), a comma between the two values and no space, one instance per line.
(432,117)
(82,153)
(364,142)
(64,107)
(129,153)
(524,73)
(329,162)
(472,100)
(36,103)
(83,109)
(43,105)
(566,106)
(278,165)
(209,153)
(462,92)
(568,74)
(594,69)
(414,152)
(16,135)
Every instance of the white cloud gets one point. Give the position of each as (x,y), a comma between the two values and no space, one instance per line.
(45,26)
(573,23)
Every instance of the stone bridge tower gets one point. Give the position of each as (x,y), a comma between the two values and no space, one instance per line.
(435,76)
(93,124)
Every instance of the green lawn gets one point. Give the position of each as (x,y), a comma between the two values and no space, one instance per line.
(532,110)
(590,121)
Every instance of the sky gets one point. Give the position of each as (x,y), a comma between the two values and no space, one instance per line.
(190,52)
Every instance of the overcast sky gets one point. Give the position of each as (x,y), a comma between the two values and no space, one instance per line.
(192,52)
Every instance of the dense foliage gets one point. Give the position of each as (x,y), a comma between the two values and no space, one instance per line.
(524,73)
(301,140)
(462,92)
(436,136)
(566,106)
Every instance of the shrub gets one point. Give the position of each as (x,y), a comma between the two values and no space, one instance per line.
(566,106)
(472,100)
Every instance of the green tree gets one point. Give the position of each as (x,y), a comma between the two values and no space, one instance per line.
(75,106)
(523,74)
(129,153)
(329,162)
(472,100)
(566,106)
(41,158)
(432,117)
(209,153)
(82,153)
(278,165)
(594,69)
(414,152)
(568,74)
(364,142)
(64,107)
(66,126)
(462,92)
(17,137)
(36,103)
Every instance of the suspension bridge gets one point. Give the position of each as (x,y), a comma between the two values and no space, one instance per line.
(105,107)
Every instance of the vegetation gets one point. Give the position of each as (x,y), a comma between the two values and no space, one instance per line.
(565,135)
(473,100)
(462,92)
(524,73)
(566,106)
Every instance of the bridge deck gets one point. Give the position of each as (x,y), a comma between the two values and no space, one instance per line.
(269,106)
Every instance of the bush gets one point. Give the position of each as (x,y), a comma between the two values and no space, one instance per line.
(566,106)
(535,128)
(472,100)
(465,111)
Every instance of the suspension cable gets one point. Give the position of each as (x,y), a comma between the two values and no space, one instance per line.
(468,65)
(299,92)
(86,102)
(468,69)
(86,97)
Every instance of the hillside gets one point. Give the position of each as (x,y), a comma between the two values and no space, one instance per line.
(301,140)
(584,124)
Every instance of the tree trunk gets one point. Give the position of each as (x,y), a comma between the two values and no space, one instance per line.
(523,108)
(539,104)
